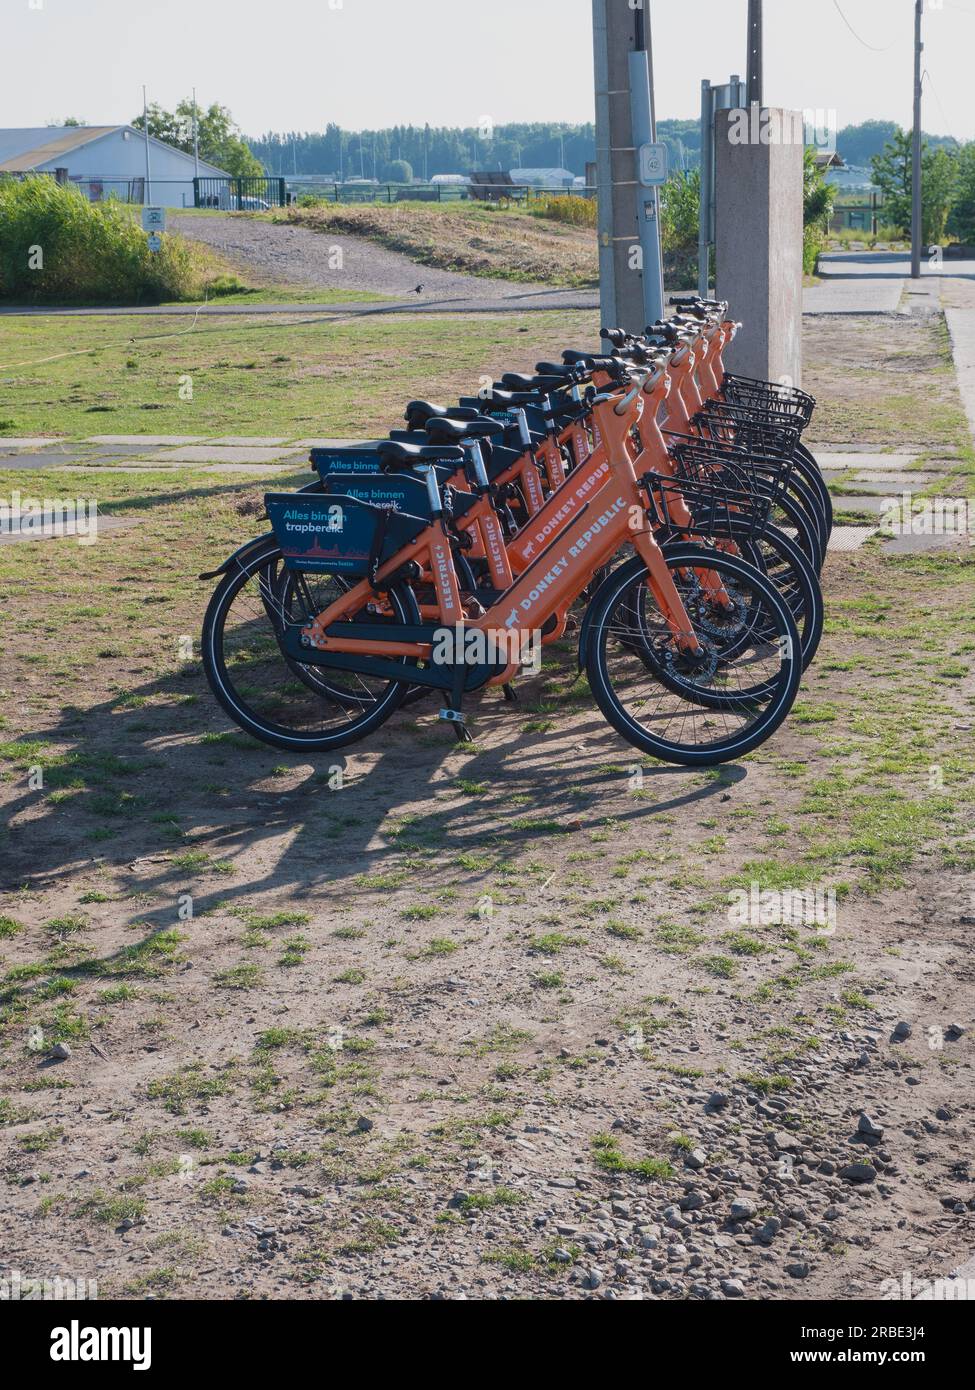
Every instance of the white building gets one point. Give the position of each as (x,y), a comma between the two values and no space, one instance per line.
(543,178)
(105,159)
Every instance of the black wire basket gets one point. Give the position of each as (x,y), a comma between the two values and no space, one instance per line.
(769,396)
(764,435)
(724,496)
(764,466)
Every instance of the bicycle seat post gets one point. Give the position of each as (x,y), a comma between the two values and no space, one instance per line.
(429,471)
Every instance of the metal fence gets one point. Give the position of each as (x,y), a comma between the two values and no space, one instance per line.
(95,190)
(256,193)
(329,190)
(240,194)
(863,216)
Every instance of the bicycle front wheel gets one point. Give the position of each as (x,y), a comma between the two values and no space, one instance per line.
(722,705)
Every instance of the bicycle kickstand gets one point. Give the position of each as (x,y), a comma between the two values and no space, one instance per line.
(453,714)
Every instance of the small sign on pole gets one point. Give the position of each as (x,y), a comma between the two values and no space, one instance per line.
(155,241)
(153,219)
(653,164)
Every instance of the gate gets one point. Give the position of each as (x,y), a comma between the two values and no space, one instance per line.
(247,194)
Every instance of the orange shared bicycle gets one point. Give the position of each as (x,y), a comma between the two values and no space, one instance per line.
(317,633)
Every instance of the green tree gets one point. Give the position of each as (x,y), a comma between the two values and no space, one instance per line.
(858,144)
(961,222)
(220,140)
(893,174)
(398,171)
(163,125)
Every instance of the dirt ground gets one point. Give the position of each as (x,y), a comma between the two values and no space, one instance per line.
(393,251)
(477,239)
(435,1021)
(919,404)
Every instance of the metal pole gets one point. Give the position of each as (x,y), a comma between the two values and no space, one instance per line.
(196,136)
(755,46)
(707,183)
(916,218)
(629,248)
(145,117)
(648,199)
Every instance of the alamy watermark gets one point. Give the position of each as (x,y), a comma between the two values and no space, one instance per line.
(762,125)
(908,515)
(907,1288)
(19,1288)
(37,518)
(492,646)
(754,906)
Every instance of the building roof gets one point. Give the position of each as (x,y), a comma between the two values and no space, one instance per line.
(527,175)
(21,150)
(31,148)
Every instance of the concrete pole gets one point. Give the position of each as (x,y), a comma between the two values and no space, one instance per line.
(707,176)
(916,217)
(644,122)
(758,238)
(627,228)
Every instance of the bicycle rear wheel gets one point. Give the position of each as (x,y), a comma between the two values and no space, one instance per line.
(266,692)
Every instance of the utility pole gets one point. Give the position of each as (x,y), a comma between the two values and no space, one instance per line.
(755,78)
(916,218)
(145,117)
(643,116)
(196,136)
(631,289)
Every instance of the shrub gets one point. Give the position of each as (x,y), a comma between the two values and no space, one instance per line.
(578,212)
(85,251)
(817,208)
(680,213)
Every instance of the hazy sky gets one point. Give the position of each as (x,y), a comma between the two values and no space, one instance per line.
(297,64)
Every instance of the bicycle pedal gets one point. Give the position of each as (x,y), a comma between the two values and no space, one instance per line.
(456,718)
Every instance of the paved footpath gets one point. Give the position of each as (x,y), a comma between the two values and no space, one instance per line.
(139,452)
(863,481)
(877,282)
(961,328)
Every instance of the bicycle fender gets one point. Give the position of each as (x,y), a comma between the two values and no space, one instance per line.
(239,554)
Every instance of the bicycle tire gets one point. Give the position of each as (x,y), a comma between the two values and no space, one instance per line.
(667,750)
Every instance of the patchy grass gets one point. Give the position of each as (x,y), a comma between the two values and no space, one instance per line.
(258,376)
